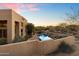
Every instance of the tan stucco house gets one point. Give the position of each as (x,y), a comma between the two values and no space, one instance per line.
(11,24)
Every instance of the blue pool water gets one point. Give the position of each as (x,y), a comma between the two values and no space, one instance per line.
(44,37)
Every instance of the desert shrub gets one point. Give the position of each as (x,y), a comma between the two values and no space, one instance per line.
(26,37)
(17,39)
(39,32)
(65,48)
(73,27)
(3,41)
(20,39)
(57,36)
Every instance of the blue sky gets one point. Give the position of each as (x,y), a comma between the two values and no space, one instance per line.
(42,14)
(49,14)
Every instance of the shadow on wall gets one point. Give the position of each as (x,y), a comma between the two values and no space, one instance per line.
(34,47)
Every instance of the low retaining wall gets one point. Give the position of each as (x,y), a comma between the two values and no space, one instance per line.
(29,48)
(22,48)
(49,46)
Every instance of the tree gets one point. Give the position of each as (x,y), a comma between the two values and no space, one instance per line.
(73,16)
(30,29)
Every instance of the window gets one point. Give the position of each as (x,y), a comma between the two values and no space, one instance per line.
(3,33)
(21,32)
(0,33)
(16,28)
(3,23)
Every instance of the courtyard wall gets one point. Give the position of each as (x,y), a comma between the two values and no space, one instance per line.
(34,47)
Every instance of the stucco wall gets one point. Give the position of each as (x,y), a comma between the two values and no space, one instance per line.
(5,14)
(45,47)
(34,47)
(11,16)
(22,48)
(20,19)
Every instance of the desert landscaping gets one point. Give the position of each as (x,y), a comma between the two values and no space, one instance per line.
(60,40)
(47,35)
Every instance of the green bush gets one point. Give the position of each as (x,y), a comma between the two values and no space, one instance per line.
(19,39)
(3,41)
(30,29)
(26,37)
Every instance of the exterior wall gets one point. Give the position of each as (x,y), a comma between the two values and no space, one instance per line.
(5,14)
(11,16)
(34,47)
(18,18)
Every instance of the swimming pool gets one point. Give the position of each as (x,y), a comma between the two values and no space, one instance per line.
(44,37)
